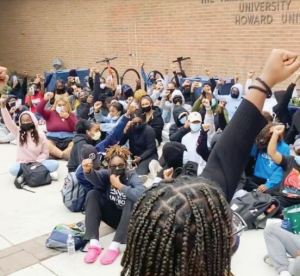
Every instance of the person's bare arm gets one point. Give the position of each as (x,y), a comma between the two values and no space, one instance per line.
(272,146)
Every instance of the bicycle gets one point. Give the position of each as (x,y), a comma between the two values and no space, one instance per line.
(129,74)
(179,60)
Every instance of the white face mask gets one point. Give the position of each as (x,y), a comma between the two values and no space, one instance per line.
(96,136)
(59,109)
(195,127)
(114,118)
(183,120)
(102,85)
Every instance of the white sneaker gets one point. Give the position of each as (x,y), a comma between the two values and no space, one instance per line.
(284,273)
(54,176)
(154,168)
(20,179)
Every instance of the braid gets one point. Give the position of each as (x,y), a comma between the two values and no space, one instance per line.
(179,229)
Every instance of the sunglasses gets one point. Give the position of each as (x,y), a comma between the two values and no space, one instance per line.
(238,224)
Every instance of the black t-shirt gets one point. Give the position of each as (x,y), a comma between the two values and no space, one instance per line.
(290,185)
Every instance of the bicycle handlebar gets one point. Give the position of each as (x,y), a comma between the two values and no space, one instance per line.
(107,60)
(179,59)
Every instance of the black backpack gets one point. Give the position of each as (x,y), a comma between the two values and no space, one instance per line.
(35,175)
(255,208)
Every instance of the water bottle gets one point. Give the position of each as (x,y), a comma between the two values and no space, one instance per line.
(70,244)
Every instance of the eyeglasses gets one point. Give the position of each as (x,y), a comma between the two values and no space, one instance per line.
(238,224)
(118,166)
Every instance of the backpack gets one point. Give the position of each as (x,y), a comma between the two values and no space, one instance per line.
(255,208)
(59,235)
(73,193)
(35,174)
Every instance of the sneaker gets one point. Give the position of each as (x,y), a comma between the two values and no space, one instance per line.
(20,179)
(284,273)
(92,254)
(109,256)
(154,168)
(268,260)
(54,175)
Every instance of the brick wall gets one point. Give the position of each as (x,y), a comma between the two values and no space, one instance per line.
(216,34)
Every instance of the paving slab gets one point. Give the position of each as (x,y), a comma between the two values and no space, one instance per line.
(35,270)
(17,261)
(73,265)
(4,243)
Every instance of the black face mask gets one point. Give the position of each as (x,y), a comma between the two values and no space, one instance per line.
(235,95)
(27,127)
(138,128)
(118,171)
(83,100)
(146,109)
(60,91)
(177,100)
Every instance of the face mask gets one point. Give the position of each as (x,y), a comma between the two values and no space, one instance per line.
(297,159)
(117,171)
(195,127)
(96,136)
(26,127)
(177,101)
(234,93)
(60,91)
(146,109)
(138,128)
(102,85)
(83,100)
(59,109)
(183,120)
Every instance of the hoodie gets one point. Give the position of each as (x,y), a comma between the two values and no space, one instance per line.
(157,123)
(168,106)
(29,152)
(231,103)
(75,156)
(177,130)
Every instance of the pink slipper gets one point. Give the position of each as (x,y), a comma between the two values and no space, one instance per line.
(109,256)
(92,254)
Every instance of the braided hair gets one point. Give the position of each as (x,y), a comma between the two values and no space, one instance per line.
(180,229)
(119,151)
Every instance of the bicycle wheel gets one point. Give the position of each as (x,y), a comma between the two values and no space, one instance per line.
(104,74)
(156,74)
(130,76)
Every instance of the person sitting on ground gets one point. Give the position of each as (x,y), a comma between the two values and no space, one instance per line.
(112,139)
(280,243)
(181,126)
(60,123)
(173,227)
(19,90)
(142,143)
(35,94)
(32,144)
(85,104)
(112,199)
(288,192)
(191,138)
(281,109)
(153,116)
(87,132)
(100,89)
(109,122)
(267,174)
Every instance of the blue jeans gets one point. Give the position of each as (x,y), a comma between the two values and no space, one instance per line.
(51,165)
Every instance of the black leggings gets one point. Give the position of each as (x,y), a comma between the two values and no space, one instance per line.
(99,208)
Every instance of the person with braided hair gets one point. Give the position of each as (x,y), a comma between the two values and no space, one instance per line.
(115,191)
(186,229)
(32,143)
